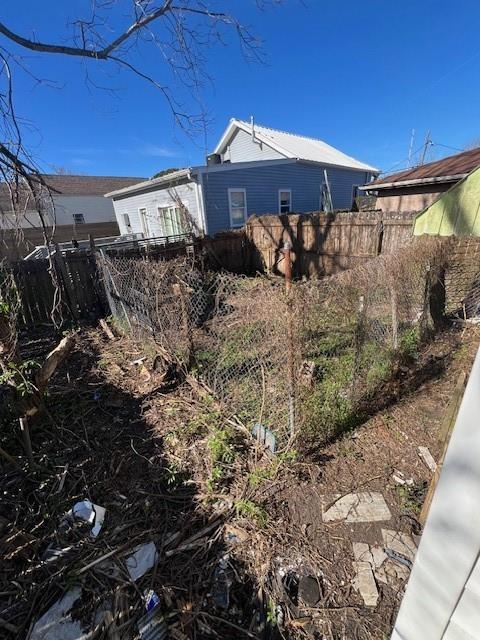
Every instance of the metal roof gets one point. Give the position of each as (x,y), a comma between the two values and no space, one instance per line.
(448,169)
(292,145)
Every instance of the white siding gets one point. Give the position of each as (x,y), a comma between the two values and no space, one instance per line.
(243,149)
(150,201)
(94,209)
(442,601)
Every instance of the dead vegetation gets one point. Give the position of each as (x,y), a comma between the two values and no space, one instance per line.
(243,550)
(172,418)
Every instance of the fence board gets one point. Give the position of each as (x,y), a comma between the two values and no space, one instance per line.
(78,279)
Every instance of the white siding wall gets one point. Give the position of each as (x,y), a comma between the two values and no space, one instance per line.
(151,201)
(243,149)
(94,208)
(442,601)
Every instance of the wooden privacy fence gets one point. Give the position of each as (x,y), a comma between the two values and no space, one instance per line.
(80,295)
(323,244)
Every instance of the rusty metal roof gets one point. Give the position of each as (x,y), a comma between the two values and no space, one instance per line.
(451,167)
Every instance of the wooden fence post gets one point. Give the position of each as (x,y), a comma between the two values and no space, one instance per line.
(65,279)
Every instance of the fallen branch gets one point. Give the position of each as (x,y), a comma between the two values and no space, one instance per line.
(108,332)
(46,371)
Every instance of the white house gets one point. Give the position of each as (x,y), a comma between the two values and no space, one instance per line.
(73,200)
(253,170)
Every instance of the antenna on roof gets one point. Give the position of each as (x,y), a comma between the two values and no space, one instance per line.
(428,143)
(252,126)
(410,150)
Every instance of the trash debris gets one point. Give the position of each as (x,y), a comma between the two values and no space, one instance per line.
(398,557)
(427,457)
(264,436)
(97,395)
(142,560)
(151,599)
(152,626)
(309,590)
(364,583)
(139,360)
(399,542)
(222,581)
(88,512)
(356,507)
(400,478)
(57,622)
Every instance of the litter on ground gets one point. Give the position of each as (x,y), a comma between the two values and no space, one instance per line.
(57,622)
(142,560)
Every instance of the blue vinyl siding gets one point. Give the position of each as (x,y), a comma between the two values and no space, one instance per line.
(262,184)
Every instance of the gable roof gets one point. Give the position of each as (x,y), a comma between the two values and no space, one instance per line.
(448,169)
(291,145)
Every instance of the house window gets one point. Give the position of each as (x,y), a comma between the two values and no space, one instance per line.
(284,201)
(78,218)
(126,222)
(144,222)
(172,221)
(237,200)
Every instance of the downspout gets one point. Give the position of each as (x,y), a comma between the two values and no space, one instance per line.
(199,196)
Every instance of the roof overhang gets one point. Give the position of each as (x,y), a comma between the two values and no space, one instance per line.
(161,181)
(411,183)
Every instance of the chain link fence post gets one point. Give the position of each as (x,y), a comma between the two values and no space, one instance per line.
(287,253)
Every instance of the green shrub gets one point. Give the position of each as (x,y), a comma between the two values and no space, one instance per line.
(252,511)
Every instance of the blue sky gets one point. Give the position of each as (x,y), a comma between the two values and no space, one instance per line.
(359,75)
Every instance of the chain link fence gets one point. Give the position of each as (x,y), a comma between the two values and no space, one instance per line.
(305,360)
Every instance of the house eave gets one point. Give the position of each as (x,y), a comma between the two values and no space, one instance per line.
(412,183)
(163,181)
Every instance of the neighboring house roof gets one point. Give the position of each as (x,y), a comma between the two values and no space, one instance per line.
(448,169)
(70,185)
(291,145)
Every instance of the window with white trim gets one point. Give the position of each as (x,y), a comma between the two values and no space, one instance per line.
(237,202)
(126,222)
(78,218)
(284,200)
(172,221)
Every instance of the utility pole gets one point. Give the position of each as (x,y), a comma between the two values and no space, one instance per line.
(410,151)
(428,142)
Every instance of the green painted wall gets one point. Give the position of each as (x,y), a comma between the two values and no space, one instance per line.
(455,213)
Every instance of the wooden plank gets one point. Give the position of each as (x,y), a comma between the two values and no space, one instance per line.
(445,434)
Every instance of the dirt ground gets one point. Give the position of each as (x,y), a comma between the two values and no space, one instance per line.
(239,534)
